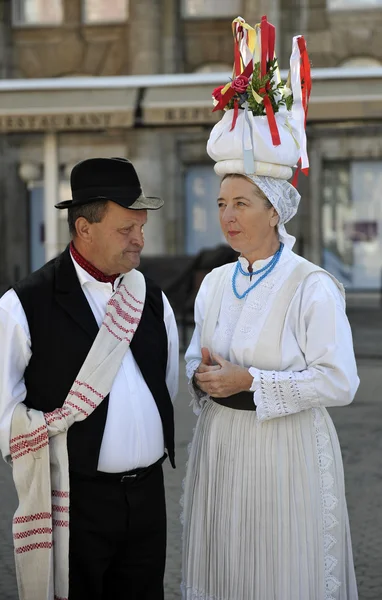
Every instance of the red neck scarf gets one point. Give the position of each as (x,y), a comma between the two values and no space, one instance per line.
(91,269)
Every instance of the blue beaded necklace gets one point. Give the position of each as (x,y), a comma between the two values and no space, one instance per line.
(264,270)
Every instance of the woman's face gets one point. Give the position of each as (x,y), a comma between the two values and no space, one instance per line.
(248,225)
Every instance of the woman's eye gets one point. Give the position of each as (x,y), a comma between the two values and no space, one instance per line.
(241,204)
(220,204)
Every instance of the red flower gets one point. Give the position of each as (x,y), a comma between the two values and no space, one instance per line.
(217,93)
(240,84)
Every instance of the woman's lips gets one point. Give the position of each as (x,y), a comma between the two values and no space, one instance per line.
(233,233)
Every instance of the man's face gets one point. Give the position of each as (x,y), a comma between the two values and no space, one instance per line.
(115,244)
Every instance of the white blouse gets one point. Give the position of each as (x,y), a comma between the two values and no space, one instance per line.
(318,364)
(133,434)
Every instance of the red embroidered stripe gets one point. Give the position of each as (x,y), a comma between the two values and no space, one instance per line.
(115,335)
(83,398)
(29,547)
(122,286)
(58,523)
(89,387)
(122,313)
(62,509)
(60,494)
(59,598)
(69,403)
(29,450)
(29,518)
(58,413)
(28,435)
(42,437)
(112,332)
(119,293)
(23,534)
(108,314)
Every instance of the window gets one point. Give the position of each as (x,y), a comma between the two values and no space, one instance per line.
(105,11)
(202,215)
(211,8)
(351,4)
(37,12)
(352,223)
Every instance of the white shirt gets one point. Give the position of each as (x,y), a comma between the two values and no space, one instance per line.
(318,365)
(133,434)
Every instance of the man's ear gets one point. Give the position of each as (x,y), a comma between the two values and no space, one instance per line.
(83,229)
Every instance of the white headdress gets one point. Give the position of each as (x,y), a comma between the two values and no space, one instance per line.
(262,133)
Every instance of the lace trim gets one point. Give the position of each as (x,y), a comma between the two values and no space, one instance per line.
(329,503)
(198,398)
(280,394)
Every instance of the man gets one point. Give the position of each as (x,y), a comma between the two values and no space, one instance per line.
(115,445)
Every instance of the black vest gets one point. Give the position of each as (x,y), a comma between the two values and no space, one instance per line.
(63,328)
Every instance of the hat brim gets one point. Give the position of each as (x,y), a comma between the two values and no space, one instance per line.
(141,203)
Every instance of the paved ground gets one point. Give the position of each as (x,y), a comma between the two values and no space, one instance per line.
(359,427)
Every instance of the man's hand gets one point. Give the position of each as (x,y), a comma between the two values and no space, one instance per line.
(223,378)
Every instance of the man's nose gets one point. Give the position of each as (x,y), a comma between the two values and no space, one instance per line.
(139,238)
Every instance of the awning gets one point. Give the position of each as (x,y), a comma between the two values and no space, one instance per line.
(346,97)
(66,109)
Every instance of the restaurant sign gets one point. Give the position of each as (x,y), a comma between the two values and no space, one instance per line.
(65,121)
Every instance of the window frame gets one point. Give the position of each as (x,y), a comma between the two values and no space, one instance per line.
(17,23)
(206,17)
(357,7)
(101,23)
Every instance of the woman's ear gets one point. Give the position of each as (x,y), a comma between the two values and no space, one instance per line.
(274,220)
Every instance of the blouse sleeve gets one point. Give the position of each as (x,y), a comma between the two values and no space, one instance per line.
(324,335)
(15,345)
(193,354)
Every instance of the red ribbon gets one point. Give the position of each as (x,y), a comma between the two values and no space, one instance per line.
(306,88)
(297,173)
(268,38)
(305,75)
(235,114)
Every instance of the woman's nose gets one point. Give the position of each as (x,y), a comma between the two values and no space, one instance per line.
(228,215)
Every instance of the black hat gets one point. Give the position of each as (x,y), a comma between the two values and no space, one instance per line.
(112,179)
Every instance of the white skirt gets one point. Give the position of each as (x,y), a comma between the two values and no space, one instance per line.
(265,515)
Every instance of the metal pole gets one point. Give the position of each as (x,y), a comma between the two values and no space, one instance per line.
(50,195)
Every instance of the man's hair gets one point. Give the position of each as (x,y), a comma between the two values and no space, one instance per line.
(93,212)
(259,192)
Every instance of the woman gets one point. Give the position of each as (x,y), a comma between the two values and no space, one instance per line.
(265,515)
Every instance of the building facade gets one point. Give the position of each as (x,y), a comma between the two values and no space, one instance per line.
(83,78)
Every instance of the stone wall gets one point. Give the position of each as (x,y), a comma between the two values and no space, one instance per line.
(13,197)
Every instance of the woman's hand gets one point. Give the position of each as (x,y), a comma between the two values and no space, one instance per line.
(223,378)
(205,366)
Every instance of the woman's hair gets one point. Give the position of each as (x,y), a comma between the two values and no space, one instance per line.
(259,192)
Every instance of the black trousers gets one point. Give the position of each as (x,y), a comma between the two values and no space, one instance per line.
(117,545)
